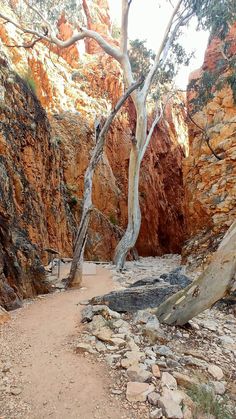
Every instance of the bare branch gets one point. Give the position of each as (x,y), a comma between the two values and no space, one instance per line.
(159,115)
(23,29)
(110,118)
(205,137)
(85,33)
(26,45)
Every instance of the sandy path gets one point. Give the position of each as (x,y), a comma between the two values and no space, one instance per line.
(58,383)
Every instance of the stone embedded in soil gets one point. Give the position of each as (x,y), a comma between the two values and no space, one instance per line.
(167,380)
(16,391)
(184,380)
(172,399)
(132,358)
(100,346)
(219,388)
(163,351)
(6,367)
(227,341)
(153,331)
(142,317)
(156,414)
(156,371)
(216,372)
(139,374)
(104,334)
(170,408)
(153,398)
(138,392)
(84,347)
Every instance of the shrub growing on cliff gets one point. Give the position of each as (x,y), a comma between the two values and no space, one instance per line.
(30,82)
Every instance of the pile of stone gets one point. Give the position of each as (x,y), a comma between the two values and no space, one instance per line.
(158,363)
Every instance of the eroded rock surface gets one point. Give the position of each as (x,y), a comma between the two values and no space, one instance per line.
(44,156)
(209,182)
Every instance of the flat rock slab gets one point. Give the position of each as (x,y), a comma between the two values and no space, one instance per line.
(138,392)
(137,298)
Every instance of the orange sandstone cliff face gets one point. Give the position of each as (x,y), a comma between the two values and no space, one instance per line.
(210,184)
(46,140)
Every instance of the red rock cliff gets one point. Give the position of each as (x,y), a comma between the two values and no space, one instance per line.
(46,154)
(210,183)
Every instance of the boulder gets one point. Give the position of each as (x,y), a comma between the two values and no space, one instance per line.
(138,392)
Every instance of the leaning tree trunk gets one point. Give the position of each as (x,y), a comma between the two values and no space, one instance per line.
(216,282)
(75,276)
(134,215)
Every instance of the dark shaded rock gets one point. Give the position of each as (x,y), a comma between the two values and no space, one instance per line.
(145,281)
(175,277)
(87,314)
(139,298)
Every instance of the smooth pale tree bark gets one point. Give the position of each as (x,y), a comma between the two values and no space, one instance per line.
(75,276)
(179,17)
(216,282)
(142,139)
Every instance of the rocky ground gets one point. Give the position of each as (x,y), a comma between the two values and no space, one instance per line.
(153,371)
(158,367)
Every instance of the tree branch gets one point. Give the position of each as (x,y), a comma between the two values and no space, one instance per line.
(27,45)
(85,33)
(159,116)
(124,25)
(38,13)
(110,118)
(205,136)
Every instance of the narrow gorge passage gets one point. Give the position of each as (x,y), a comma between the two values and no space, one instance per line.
(54,381)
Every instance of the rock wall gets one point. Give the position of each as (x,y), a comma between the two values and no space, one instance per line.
(210,183)
(49,101)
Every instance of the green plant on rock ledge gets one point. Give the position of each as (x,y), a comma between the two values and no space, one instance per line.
(113,219)
(208,403)
(30,82)
(72,201)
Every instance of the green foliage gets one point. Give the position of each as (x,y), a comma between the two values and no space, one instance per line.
(52,10)
(71,197)
(141,59)
(72,201)
(203,88)
(231,80)
(30,82)
(113,219)
(115,32)
(213,15)
(56,140)
(214,80)
(207,403)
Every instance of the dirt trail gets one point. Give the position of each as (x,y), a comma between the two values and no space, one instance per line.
(58,383)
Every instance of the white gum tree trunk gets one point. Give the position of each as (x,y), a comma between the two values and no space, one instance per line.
(216,282)
(134,214)
(75,276)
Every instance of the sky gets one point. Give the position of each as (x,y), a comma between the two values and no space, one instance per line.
(147,21)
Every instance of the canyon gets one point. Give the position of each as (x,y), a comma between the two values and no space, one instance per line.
(49,100)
